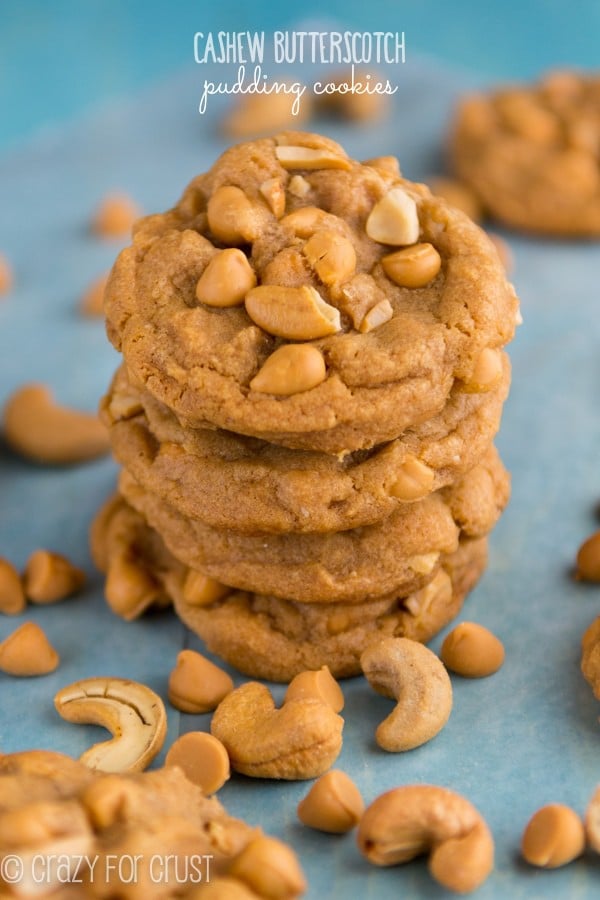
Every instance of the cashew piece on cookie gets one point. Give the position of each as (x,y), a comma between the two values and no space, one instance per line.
(408,821)
(414,676)
(300,740)
(132,712)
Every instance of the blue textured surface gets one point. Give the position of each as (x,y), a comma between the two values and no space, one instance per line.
(521,739)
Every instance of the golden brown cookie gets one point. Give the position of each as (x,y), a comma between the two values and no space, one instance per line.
(267,637)
(531,153)
(399,554)
(52,807)
(239,270)
(238,482)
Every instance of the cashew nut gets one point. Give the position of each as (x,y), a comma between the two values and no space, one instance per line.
(300,740)
(414,676)
(39,429)
(132,712)
(408,821)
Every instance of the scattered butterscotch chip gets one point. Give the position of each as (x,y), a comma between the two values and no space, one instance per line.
(196,685)
(334,804)
(270,868)
(12,596)
(27,651)
(92,301)
(588,559)
(115,216)
(203,758)
(320,684)
(472,651)
(50,577)
(553,837)
(6,275)
(456,194)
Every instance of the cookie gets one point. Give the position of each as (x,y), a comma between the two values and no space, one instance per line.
(400,553)
(273,638)
(246,265)
(53,808)
(242,483)
(276,639)
(531,153)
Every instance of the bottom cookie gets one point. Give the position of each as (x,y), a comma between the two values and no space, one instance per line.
(266,637)
(274,639)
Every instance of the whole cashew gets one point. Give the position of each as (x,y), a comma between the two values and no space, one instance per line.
(39,429)
(408,821)
(414,676)
(133,713)
(300,740)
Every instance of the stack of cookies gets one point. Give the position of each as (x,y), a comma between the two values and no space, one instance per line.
(313,377)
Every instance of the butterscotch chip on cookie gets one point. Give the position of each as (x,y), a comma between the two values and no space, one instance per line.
(392,353)
(531,153)
(399,553)
(233,481)
(52,805)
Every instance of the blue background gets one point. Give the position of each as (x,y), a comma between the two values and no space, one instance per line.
(102,95)
(58,57)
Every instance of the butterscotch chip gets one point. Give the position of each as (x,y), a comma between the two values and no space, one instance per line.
(27,651)
(472,651)
(115,216)
(257,114)
(553,837)
(270,868)
(226,280)
(129,589)
(6,276)
(588,559)
(382,380)
(291,369)
(333,804)
(415,481)
(412,267)
(196,685)
(201,590)
(92,301)
(487,371)
(320,684)
(12,596)
(531,155)
(50,577)
(203,759)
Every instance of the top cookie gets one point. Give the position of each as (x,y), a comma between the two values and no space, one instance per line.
(532,153)
(301,297)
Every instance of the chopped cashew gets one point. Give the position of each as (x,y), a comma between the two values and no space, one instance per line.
(414,676)
(131,711)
